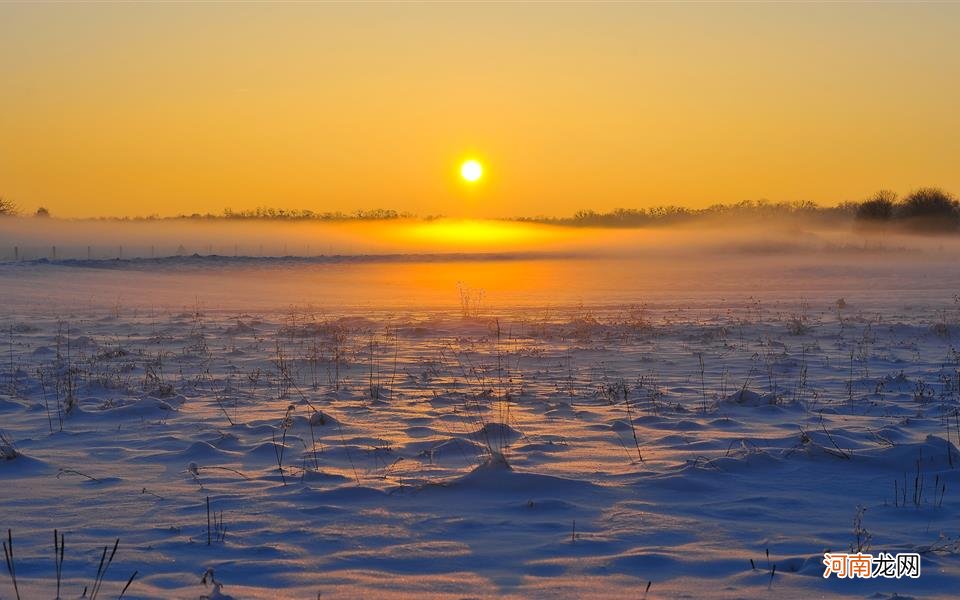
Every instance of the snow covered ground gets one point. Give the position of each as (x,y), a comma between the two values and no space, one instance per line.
(605,430)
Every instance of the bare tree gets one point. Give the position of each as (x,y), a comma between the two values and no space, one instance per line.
(878,207)
(7,207)
(929,208)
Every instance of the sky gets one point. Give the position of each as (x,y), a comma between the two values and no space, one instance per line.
(140,109)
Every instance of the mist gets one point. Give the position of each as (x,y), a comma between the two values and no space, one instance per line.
(380,265)
(37,238)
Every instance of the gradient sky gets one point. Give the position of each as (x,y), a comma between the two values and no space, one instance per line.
(130,109)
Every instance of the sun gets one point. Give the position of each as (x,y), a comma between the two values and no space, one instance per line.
(471,170)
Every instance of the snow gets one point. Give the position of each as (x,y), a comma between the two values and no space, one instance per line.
(585,434)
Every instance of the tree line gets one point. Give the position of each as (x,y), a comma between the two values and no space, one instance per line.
(925,209)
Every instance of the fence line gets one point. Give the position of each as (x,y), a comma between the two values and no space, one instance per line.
(16,253)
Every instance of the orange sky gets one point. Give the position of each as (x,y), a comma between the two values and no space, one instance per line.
(131,109)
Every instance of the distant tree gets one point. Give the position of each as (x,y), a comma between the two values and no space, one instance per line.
(929,209)
(42,212)
(586,217)
(7,207)
(878,207)
(847,207)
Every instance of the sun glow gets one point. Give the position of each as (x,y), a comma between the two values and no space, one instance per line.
(471,170)
(478,235)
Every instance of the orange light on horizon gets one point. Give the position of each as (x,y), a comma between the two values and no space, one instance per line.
(453,234)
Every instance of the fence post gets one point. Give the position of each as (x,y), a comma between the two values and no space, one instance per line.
(16,253)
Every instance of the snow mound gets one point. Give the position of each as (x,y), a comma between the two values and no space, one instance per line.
(932,454)
(138,407)
(6,403)
(450,448)
(202,452)
(496,476)
(747,397)
(21,465)
(496,432)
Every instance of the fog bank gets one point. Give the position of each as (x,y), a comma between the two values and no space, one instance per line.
(34,238)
